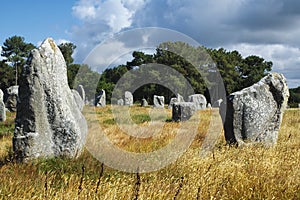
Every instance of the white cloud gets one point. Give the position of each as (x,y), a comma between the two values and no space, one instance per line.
(117,14)
(263,27)
(100,20)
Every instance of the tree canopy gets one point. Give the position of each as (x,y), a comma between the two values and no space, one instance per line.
(16,50)
(67,49)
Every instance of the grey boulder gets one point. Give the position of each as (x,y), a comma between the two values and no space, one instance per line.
(254,114)
(120,102)
(81,91)
(79,101)
(128,99)
(2,108)
(158,101)
(183,111)
(199,100)
(144,103)
(100,100)
(12,98)
(48,122)
(173,100)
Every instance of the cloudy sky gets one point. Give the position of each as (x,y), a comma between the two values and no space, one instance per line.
(268,28)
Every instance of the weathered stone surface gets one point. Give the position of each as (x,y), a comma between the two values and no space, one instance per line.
(78,99)
(80,90)
(144,103)
(199,100)
(158,101)
(254,114)
(180,98)
(173,100)
(48,122)
(128,99)
(2,108)
(120,102)
(183,111)
(12,98)
(209,106)
(218,103)
(100,100)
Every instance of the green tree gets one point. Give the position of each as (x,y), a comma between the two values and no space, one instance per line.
(253,69)
(83,75)
(67,49)
(16,50)
(7,76)
(294,99)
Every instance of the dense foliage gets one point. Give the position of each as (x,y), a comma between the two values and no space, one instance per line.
(197,64)
(15,52)
(294,99)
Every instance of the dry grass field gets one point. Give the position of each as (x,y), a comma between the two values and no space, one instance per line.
(225,173)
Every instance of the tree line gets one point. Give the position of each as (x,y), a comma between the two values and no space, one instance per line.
(198,65)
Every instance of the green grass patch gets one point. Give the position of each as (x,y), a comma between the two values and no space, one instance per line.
(141,118)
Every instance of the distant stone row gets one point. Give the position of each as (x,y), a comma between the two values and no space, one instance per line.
(49,121)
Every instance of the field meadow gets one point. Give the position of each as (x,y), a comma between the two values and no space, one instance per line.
(253,172)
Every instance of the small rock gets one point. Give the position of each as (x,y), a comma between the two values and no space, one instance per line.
(158,101)
(183,111)
(199,100)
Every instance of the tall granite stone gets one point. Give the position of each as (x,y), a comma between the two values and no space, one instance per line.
(81,91)
(173,100)
(78,99)
(158,101)
(144,102)
(128,99)
(100,99)
(48,122)
(199,100)
(2,108)
(254,114)
(183,111)
(120,102)
(12,98)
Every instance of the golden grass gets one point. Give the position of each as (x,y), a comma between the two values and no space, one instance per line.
(226,173)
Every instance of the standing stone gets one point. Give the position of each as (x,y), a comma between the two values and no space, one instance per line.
(158,101)
(183,111)
(144,102)
(12,98)
(2,108)
(120,102)
(209,106)
(100,100)
(81,92)
(172,101)
(128,98)
(48,122)
(78,99)
(199,100)
(218,103)
(254,114)
(179,98)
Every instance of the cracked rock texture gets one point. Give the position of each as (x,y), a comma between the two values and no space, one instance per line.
(254,114)
(49,122)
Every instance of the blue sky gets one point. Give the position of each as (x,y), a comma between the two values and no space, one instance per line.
(268,28)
